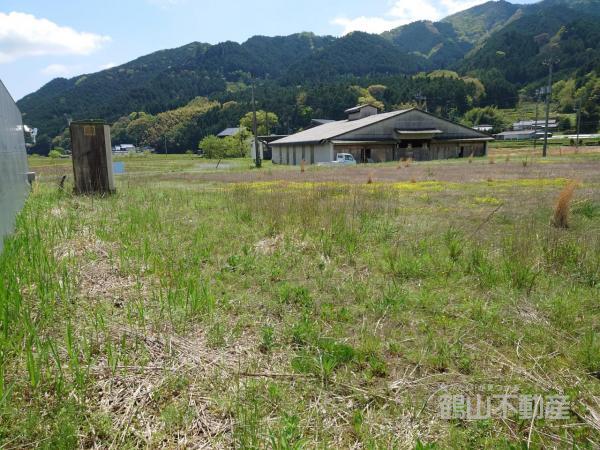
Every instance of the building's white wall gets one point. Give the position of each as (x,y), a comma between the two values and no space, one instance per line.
(322,153)
(277,153)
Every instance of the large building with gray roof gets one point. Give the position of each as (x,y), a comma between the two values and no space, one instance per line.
(373,137)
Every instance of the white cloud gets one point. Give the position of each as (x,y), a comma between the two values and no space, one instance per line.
(403,12)
(368,24)
(23,35)
(57,70)
(107,66)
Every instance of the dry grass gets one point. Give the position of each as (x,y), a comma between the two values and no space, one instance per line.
(309,312)
(562,209)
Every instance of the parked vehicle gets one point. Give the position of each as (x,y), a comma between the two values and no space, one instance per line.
(345,159)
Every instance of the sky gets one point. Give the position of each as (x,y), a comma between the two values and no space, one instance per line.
(44,39)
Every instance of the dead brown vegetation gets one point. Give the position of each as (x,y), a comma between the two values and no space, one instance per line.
(562,209)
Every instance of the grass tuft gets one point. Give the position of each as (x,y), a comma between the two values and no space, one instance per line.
(562,209)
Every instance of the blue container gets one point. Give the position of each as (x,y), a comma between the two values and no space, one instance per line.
(118,168)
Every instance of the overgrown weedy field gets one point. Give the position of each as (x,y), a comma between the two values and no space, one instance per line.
(274,309)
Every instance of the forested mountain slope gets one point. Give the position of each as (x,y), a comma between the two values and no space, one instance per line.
(503,45)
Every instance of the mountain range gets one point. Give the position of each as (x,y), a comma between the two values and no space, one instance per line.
(497,42)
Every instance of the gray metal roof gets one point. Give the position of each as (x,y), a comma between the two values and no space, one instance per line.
(228,132)
(533,122)
(321,121)
(334,129)
(357,108)
(514,133)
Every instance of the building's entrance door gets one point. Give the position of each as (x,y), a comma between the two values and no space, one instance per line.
(365,155)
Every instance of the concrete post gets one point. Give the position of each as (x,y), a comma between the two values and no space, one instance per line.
(92,157)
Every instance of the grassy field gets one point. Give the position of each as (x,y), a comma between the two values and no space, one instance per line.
(236,307)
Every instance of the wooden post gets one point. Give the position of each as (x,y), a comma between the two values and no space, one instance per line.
(92,157)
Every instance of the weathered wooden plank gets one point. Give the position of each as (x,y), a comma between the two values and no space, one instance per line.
(92,157)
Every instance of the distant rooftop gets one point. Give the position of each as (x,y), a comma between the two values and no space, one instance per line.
(516,133)
(228,132)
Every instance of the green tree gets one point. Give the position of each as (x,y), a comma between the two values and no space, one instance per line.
(564,92)
(488,115)
(42,146)
(377,91)
(364,97)
(564,124)
(590,105)
(239,144)
(263,118)
(213,147)
(63,140)
(118,131)
(139,127)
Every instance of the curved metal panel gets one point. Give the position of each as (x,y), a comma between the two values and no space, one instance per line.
(13,163)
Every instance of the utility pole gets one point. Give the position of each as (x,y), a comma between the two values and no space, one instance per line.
(550,63)
(257,160)
(421,101)
(267,121)
(578,124)
(538,93)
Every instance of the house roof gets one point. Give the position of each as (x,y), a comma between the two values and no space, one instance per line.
(517,133)
(330,131)
(229,132)
(532,122)
(358,108)
(334,129)
(321,121)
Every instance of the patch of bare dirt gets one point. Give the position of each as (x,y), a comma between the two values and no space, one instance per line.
(270,245)
(135,397)
(98,273)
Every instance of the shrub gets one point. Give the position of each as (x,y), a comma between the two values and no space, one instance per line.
(54,154)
